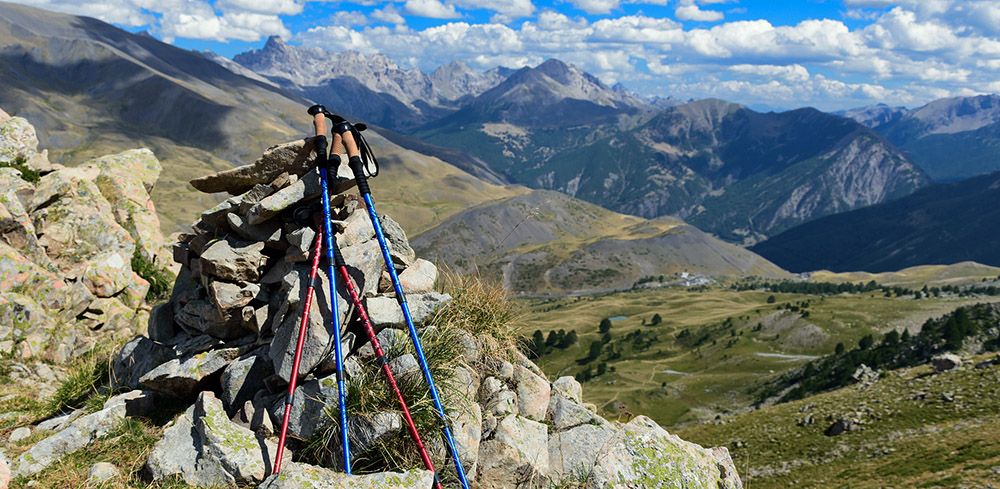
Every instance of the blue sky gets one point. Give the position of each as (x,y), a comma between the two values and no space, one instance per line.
(780,54)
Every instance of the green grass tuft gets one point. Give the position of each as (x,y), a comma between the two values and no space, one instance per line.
(160,280)
(28,174)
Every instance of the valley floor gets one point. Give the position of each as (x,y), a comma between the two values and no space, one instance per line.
(712,346)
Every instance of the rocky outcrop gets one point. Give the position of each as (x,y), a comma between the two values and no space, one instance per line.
(68,240)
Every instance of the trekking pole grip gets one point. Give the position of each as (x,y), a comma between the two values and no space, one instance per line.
(345,131)
(319,126)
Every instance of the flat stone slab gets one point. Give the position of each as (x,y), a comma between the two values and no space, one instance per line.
(294,157)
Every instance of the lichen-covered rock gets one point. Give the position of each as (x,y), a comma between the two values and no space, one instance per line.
(126,180)
(206,449)
(642,454)
(303,476)
(17,139)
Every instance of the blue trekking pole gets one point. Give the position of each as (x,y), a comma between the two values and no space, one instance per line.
(357,160)
(319,123)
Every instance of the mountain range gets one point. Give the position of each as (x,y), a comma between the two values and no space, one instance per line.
(950,139)
(200,113)
(939,224)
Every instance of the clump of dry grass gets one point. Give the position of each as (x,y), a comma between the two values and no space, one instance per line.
(483,308)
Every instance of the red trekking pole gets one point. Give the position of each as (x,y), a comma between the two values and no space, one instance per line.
(294,377)
(383,362)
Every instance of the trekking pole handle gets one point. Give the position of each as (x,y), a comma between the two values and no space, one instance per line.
(319,126)
(343,133)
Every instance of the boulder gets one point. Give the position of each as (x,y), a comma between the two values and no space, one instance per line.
(233,260)
(242,379)
(135,359)
(19,139)
(125,180)
(308,187)
(419,277)
(303,476)
(575,451)
(566,413)
(532,394)
(308,414)
(206,449)
(182,377)
(78,434)
(516,456)
(642,454)
(367,432)
(385,312)
(294,157)
(946,362)
(569,388)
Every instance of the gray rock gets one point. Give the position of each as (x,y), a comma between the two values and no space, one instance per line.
(532,394)
(946,362)
(301,242)
(182,377)
(303,476)
(367,432)
(75,436)
(309,414)
(306,188)
(236,450)
(205,448)
(202,317)
(569,388)
(497,398)
(516,456)
(228,296)
(233,260)
(242,379)
(365,264)
(357,229)
(19,434)
(467,430)
(642,454)
(566,413)
(574,451)
(385,311)
(419,277)
(405,366)
(161,323)
(102,472)
(268,232)
(287,304)
(294,157)
(138,357)
(398,243)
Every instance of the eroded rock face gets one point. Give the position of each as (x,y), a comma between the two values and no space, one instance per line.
(66,246)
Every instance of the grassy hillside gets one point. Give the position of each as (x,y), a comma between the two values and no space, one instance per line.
(548,242)
(911,434)
(713,345)
(964,273)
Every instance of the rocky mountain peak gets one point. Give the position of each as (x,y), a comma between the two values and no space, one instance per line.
(958,114)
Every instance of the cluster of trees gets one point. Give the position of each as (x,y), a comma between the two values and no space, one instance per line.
(541,344)
(814,288)
(826,288)
(893,350)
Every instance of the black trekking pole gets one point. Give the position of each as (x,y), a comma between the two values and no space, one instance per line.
(353,142)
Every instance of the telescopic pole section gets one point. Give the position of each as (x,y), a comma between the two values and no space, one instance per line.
(294,377)
(344,129)
(318,112)
(380,358)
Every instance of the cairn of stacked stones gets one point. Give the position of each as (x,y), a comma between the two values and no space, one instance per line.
(221,350)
